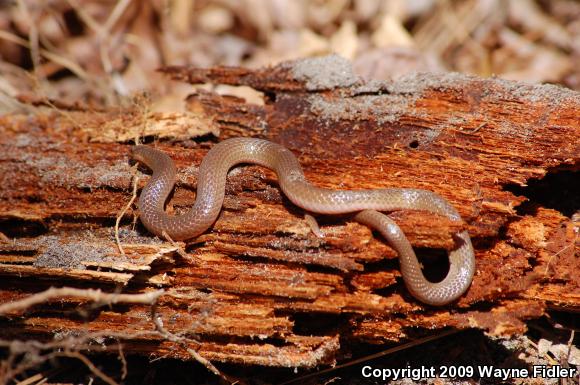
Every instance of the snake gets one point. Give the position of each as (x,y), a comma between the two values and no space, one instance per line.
(366,205)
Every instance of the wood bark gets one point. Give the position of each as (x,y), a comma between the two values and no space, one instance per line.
(259,287)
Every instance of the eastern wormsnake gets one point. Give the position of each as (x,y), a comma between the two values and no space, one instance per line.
(211,189)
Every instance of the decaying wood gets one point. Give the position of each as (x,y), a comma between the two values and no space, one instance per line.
(265,290)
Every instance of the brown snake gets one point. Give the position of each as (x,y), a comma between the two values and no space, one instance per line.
(211,189)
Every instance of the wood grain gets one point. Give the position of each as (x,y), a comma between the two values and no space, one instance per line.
(266,290)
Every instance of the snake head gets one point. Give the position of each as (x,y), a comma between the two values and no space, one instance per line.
(149,156)
(154,159)
(138,153)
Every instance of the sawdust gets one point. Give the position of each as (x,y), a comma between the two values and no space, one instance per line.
(324,73)
(60,170)
(70,253)
(385,108)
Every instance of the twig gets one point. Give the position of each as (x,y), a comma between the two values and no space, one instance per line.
(66,63)
(545,355)
(123,360)
(560,252)
(33,357)
(180,251)
(61,111)
(478,128)
(31,380)
(118,11)
(3,237)
(32,37)
(122,213)
(103,37)
(114,16)
(373,356)
(88,364)
(572,335)
(183,343)
(91,294)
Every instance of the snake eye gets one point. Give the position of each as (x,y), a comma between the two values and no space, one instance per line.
(137,153)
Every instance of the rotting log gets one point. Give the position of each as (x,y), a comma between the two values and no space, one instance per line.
(259,287)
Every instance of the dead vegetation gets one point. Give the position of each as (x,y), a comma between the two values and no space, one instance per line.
(96,53)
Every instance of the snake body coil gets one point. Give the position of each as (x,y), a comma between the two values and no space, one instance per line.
(210,195)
